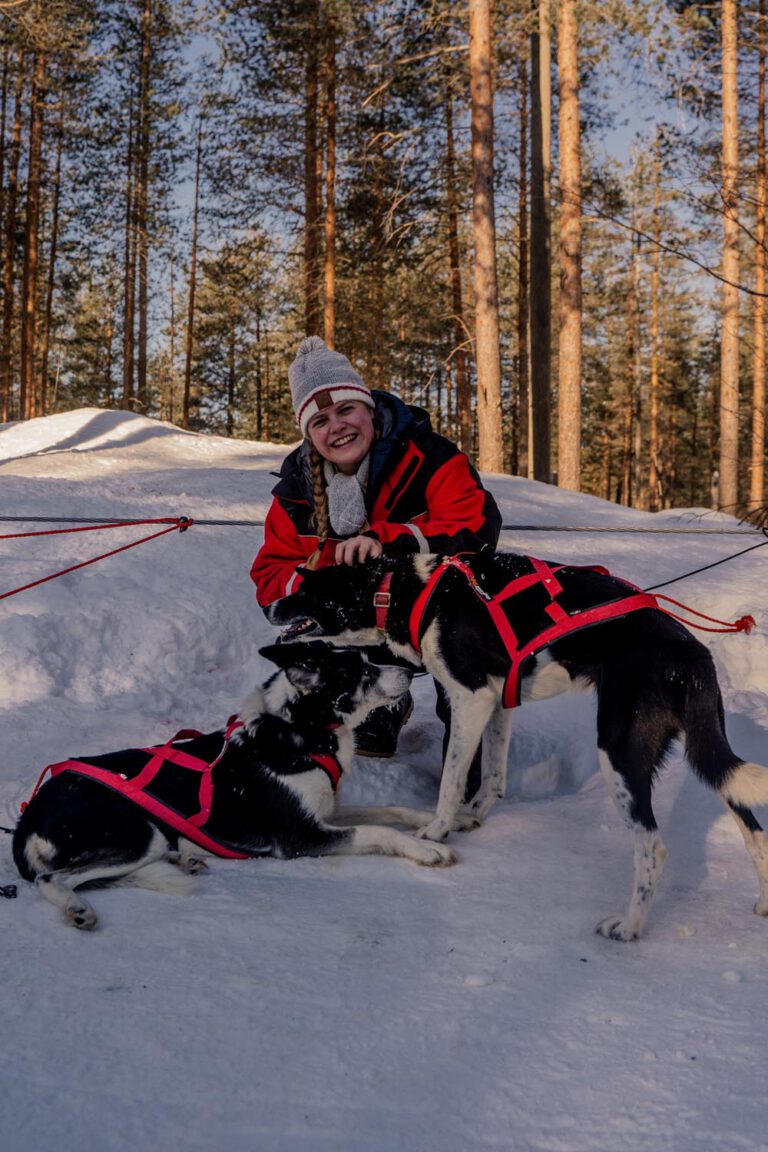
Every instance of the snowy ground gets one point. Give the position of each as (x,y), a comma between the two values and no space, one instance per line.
(361,1005)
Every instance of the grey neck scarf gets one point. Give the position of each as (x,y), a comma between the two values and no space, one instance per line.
(346,498)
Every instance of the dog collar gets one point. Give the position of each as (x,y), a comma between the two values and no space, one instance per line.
(381,601)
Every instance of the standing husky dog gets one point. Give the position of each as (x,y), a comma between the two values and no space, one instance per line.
(497,629)
(265,788)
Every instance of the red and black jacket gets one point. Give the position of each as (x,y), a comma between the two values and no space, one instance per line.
(423,496)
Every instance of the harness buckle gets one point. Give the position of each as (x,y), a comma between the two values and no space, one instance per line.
(381,599)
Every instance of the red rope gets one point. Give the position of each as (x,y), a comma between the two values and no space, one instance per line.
(179,523)
(176,521)
(743,624)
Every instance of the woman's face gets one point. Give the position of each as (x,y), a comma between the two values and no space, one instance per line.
(343,433)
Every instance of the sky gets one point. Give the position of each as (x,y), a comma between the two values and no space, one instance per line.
(361,1004)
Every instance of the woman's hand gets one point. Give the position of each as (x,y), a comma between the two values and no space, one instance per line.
(357,550)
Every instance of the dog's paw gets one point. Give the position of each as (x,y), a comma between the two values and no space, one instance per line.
(191,864)
(761,907)
(435,855)
(80,914)
(466,822)
(436,830)
(617,928)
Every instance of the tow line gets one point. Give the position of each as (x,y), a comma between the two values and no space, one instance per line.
(174,524)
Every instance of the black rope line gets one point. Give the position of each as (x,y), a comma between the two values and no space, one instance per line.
(706,567)
(505,527)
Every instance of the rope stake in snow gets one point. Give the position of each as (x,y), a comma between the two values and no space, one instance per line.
(175,524)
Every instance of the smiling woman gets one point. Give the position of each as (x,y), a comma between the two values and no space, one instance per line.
(371,478)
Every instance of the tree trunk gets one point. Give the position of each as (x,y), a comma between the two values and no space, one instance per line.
(757,471)
(541,251)
(231,380)
(3,120)
(522,463)
(487,355)
(569,391)
(329,295)
(632,371)
(311,197)
(9,257)
(142,209)
(27,398)
(654,472)
(129,266)
(458,355)
(190,403)
(729,351)
(52,253)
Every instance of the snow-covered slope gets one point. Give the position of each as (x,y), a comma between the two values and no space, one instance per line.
(360,1004)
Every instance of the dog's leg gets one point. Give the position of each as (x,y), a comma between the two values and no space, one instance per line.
(754,839)
(495,752)
(649,852)
(470,712)
(59,887)
(397,814)
(372,839)
(56,888)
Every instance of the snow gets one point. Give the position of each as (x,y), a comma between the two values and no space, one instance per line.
(360,1004)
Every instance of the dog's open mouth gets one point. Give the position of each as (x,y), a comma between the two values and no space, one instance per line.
(300,629)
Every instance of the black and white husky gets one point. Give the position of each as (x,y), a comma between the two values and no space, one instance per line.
(654,682)
(272,792)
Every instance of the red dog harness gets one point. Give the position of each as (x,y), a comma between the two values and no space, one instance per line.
(563,623)
(143,788)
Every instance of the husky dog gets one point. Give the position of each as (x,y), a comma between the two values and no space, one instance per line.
(264,787)
(565,627)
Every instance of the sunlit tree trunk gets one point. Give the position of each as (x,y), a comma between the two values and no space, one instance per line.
(729,353)
(459,358)
(9,253)
(757,470)
(191,404)
(521,458)
(329,294)
(541,251)
(569,383)
(51,275)
(142,209)
(129,266)
(654,473)
(488,357)
(27,396)
(311,195)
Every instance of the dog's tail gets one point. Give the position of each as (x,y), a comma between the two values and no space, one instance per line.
(709,753)
(746,786)
(160,876)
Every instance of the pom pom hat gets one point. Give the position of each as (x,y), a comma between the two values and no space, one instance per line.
(319,377)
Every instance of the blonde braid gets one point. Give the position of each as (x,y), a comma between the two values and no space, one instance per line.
(319,494)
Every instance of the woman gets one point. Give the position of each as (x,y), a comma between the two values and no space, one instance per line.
(370,478)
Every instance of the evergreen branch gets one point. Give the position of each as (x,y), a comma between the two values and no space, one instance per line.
(668,248)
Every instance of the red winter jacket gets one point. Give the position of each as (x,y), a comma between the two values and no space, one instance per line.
(423,495)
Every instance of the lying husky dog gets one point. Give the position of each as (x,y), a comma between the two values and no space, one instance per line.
(266,786)
(498,629)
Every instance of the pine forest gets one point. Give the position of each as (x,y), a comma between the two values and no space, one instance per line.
(544,221)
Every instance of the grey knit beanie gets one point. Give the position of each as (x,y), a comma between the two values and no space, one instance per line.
(319,377)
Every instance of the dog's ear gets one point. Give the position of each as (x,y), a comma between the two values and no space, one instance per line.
(304,663)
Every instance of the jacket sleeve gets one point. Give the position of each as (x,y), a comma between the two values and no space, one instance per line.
(460,515)
(277,569)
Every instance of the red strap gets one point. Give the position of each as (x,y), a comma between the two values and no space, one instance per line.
(330,765)
(381,600)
